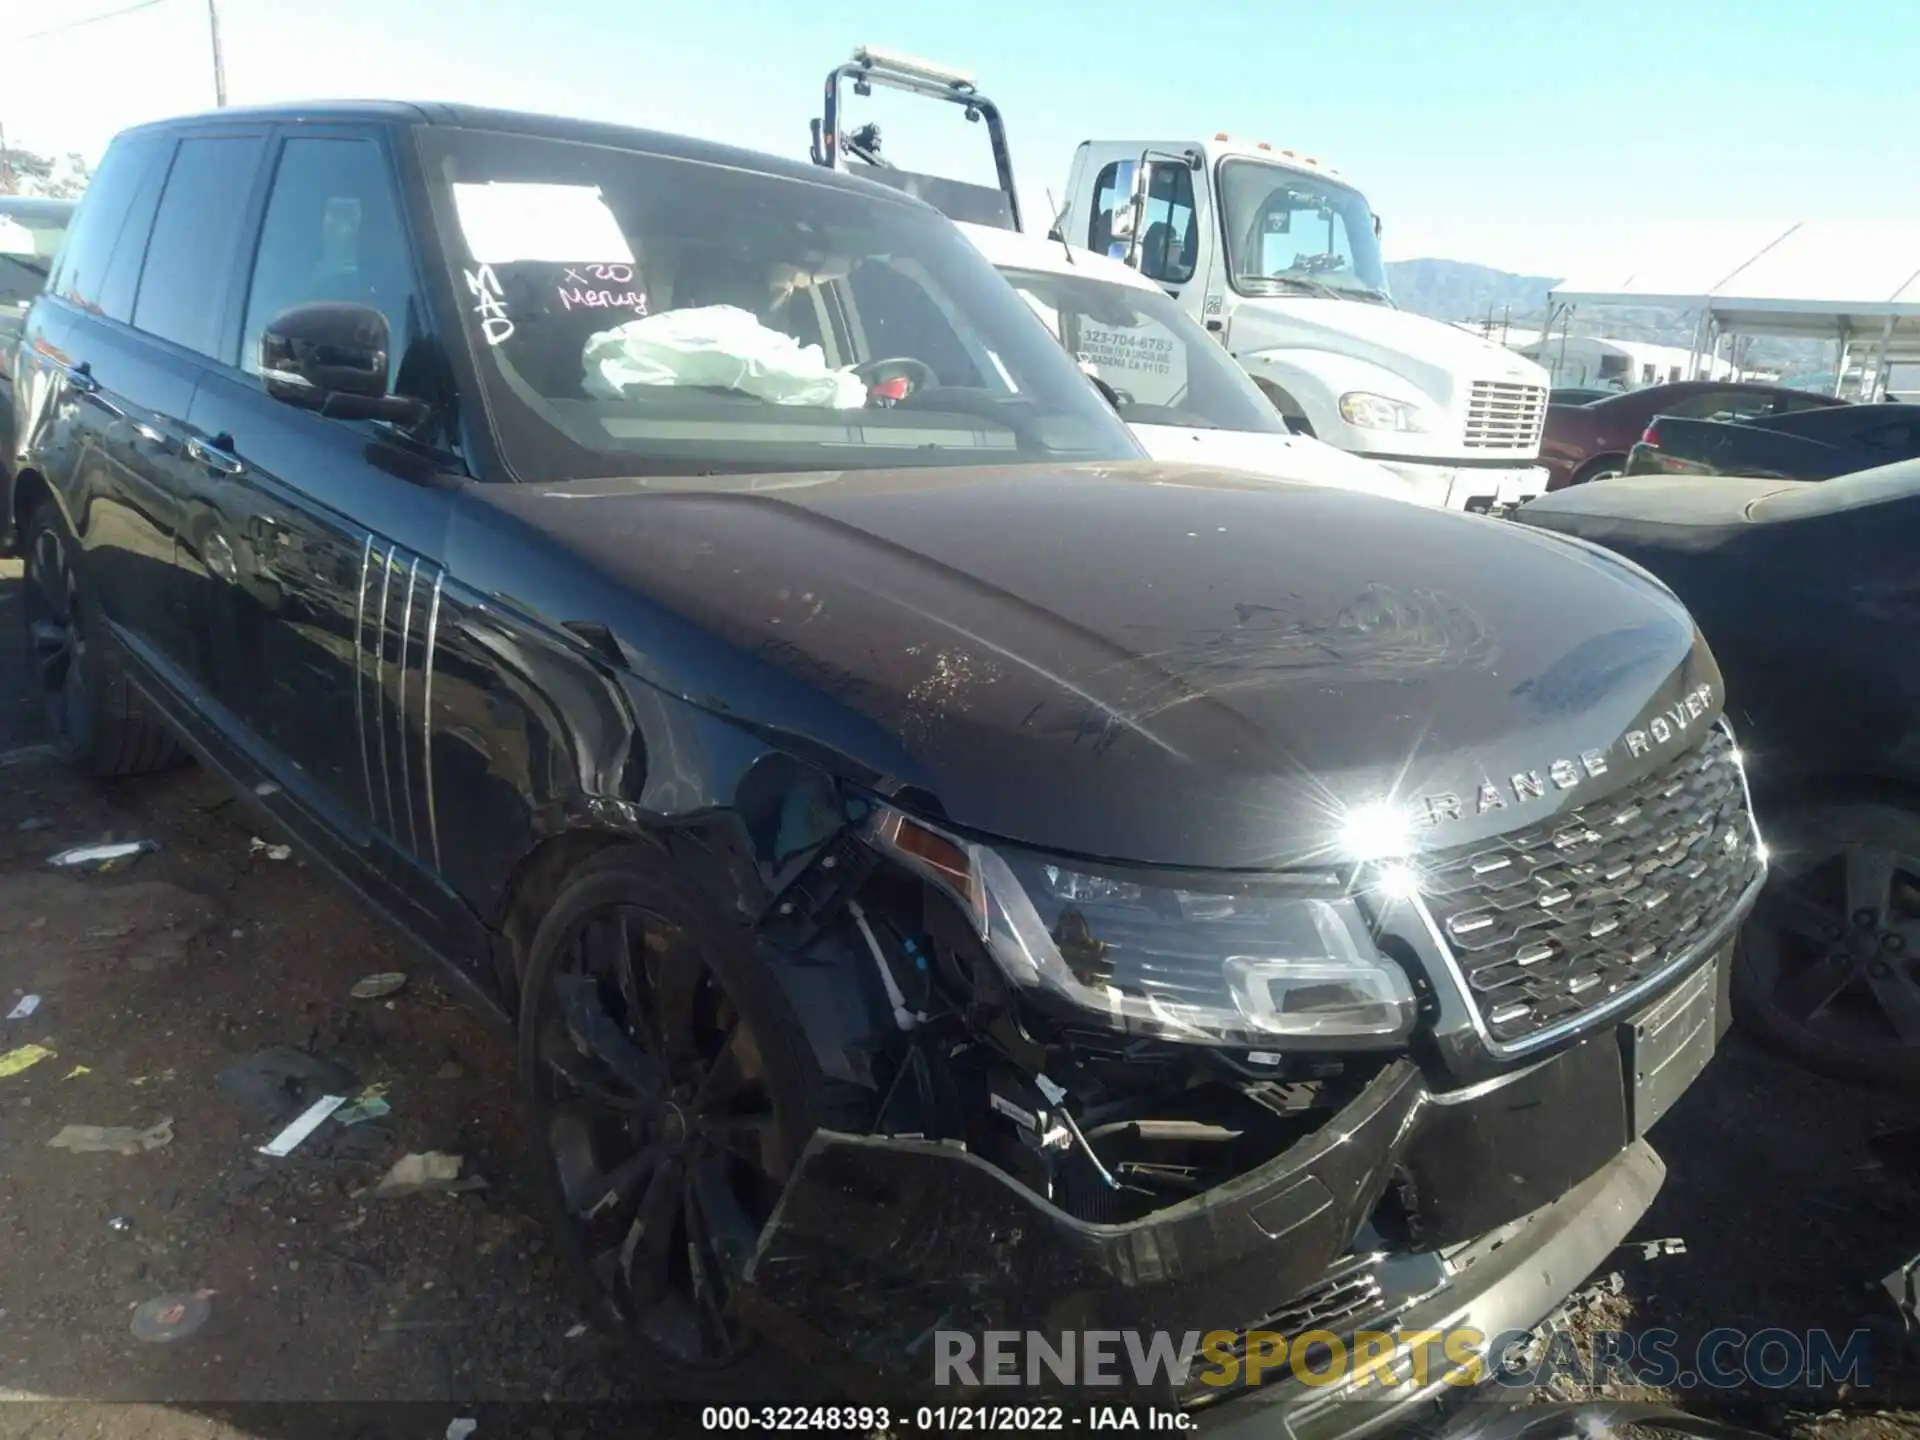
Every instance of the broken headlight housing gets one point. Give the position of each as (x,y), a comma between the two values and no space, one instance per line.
(1262,962)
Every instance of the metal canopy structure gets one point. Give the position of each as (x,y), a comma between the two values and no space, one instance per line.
(1855,285)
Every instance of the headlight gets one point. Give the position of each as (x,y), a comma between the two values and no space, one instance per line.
(1382,412)
(1259,962)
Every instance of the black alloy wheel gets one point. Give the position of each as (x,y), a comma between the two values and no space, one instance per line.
(94,717)
(671,1093)
(56,634)
(1828,969)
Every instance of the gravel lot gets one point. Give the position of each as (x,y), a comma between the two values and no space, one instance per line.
(156,979)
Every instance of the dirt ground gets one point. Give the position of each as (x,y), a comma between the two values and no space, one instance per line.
(156,979)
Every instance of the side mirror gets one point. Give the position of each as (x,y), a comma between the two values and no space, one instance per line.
(1376,227)
(332,356)
(1136,213)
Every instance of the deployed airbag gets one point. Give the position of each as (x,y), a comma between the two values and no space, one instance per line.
(716,346)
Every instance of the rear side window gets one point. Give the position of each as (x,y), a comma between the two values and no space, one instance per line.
(100,261)
(332,232)
(1734,405)
(196,240)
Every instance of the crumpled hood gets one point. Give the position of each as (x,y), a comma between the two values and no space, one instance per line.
(1432,355)
(1143,662)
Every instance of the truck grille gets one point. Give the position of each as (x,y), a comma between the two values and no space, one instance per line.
(1502,415)
(1553,920)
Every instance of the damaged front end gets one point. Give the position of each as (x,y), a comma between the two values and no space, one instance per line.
(1112,1098)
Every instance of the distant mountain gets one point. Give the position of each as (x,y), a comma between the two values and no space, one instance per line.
(1457,290)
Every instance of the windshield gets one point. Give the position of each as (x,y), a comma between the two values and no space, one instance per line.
(30,234)
(639,314)
(1164,369)
(1289,231)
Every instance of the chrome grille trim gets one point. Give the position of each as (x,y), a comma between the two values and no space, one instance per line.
(1499,1025)
(1505,415)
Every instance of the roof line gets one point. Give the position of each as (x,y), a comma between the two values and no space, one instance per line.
(1900,289)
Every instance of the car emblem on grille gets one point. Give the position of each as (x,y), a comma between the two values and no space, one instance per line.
(1525,786)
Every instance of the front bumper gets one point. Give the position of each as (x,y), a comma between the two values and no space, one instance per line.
(880,1244)
(1482,489)
(1511,1280)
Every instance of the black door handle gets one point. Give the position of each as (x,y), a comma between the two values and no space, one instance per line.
(80,376)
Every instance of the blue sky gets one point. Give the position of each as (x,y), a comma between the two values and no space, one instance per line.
(1547,137)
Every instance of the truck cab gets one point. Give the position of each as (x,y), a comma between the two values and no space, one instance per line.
(1279,257)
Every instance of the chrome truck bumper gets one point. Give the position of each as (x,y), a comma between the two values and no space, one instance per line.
(1485,490)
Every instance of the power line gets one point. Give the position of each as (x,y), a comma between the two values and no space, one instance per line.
(90,20)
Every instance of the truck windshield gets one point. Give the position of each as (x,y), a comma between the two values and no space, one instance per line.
(1162,366)
(634,313)
(1290,231)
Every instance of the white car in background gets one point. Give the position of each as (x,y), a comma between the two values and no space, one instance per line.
(1178,390)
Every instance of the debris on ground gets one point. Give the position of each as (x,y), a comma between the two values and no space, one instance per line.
(369,1104)
(171,1317)
(77,1072)
(119,1224)
(33,823)
(28,1004)
(413,1173)
(266,788)
(1655,1249)
(278,1083)
(310,1120)
(103,857)
(272,852)
(460,1429)
(21,1058)
(576,1332)
(378,987)
(1904,1286)
(113,1139)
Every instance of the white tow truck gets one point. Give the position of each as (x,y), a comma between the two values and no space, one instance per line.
(1279,259)
(1179,392)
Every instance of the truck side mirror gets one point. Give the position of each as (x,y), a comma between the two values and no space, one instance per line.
(1376,227)
(1131,228)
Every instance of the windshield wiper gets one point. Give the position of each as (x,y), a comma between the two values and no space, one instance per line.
(1298,282)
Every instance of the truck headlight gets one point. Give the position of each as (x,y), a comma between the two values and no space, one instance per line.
(1270,960)
(1368,411)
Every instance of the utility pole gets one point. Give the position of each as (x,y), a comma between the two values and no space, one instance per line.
(219,64)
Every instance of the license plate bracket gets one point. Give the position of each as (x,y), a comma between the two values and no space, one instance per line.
(1669,1045)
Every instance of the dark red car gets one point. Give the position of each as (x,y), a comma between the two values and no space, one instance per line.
(1590,442)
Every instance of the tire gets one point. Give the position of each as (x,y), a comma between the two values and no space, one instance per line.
(93,715)
(1810,979)
(695,971)
(1601,467)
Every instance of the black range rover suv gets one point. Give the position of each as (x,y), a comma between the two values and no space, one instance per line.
(946,870)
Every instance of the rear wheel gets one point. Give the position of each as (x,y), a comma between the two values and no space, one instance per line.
(1828,967)
(672,1092)
(92,714)
(1601,467)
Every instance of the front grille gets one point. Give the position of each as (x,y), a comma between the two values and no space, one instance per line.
(1349,1296)
(1553,920)
(1502,415)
